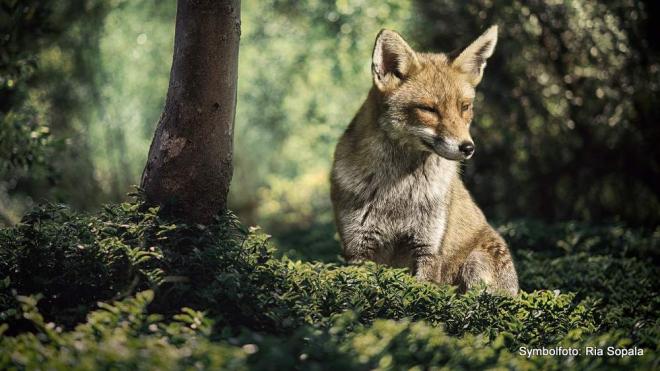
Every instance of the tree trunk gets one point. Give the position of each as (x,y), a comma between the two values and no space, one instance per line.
(190,159)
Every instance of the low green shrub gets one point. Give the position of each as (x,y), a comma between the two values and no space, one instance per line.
(233,273)
(118,336)
(612,267)
(56,265)
(125,335)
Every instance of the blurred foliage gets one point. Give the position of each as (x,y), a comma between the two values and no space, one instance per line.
(217,296)
(565,126)
(47,85)
(24,139)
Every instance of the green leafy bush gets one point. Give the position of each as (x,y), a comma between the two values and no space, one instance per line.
(125,335)
(122,335)
(269,312)
(611,266)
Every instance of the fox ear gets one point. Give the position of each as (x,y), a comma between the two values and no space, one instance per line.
(472,60)
(392,60)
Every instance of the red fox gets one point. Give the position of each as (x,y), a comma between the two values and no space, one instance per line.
(396,193)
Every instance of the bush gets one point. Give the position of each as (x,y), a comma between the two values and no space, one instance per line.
(125,335)
(269,312)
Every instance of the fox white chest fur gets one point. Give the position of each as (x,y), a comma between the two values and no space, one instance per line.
(396,206)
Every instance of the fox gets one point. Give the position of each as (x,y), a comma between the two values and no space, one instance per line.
(396,191)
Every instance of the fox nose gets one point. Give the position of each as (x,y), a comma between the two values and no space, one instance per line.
(466,148)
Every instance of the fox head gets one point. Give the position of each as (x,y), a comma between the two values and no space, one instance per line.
(426,98)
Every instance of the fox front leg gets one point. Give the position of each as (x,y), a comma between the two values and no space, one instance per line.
(364,245)
(425,261)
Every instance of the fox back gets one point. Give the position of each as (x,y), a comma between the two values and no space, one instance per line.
(396,192)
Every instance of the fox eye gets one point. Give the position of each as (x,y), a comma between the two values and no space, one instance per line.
(465,107)
(427,109)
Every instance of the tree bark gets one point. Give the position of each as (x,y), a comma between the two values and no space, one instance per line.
(189,166)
